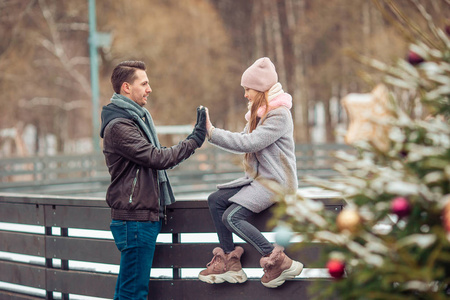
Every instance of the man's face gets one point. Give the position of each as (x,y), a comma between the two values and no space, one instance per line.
(140,89)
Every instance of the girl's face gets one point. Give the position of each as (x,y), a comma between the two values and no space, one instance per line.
(250,94)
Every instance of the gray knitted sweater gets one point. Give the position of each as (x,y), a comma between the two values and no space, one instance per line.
(273,158)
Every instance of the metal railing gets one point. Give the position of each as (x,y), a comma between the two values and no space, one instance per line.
(87,174)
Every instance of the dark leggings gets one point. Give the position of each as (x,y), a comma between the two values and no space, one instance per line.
(229,217)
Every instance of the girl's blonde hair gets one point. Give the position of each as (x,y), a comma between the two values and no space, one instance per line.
(261,100)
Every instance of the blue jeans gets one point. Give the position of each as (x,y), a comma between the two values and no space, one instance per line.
(229,217)
(136,242)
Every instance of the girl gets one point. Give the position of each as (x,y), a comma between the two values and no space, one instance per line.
(268,144)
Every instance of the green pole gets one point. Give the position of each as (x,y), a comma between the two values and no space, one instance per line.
(94,76)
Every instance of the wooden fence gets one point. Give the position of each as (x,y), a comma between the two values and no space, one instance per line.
(87,175)
(55,250)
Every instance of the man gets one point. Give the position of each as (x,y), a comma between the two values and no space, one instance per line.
(139,189)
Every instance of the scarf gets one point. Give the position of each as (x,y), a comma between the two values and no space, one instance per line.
(142,116)
(277,98)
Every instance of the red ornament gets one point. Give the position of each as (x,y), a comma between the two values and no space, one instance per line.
(401,207)
(336,268)
(414,58)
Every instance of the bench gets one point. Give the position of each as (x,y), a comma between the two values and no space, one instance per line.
(55,250)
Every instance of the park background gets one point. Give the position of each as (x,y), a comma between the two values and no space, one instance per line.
(195,51)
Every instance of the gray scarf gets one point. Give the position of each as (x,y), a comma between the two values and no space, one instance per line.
(145,121)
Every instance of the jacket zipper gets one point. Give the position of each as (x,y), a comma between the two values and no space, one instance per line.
(165,215)
(159,200)
(134,186)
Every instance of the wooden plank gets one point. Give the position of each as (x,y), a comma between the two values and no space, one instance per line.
(198,255)
(182,220)
(7,295)
(78,217)
(179,221)
(30,214)
(193,203)
(167,255)
(88,217)
(188,221)
(22,243)
(81,283)
(23,274)
(193,289)
(88,284)
(91,250)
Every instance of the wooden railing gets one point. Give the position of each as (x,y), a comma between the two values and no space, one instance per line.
(56,252)
(87,175)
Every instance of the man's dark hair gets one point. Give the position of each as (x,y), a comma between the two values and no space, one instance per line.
(125,72)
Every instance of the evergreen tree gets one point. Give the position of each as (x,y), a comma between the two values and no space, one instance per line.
(392,239)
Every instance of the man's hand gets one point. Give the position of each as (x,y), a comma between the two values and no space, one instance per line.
(199,132)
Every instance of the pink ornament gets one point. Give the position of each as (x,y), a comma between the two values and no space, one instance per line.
(336,268)
(401,207)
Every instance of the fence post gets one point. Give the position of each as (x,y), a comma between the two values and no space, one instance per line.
(65,262)
(176,272)
(48,261)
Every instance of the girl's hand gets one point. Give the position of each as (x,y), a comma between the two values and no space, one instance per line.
(209,126)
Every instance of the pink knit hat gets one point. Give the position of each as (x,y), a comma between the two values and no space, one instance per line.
(260,76)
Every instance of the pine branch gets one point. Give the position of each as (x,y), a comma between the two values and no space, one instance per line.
(439,34)
(407,21)
(407,36)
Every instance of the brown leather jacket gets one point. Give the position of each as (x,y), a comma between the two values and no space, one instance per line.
(133,161)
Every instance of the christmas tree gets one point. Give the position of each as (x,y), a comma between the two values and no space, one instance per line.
(392,239)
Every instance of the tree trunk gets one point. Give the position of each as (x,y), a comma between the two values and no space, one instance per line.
(329,126)
(258,25)
(278,41)
(366,27)
(268,28)
(298,87)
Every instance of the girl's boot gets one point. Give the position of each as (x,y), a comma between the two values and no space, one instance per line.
(278,267)
(224,267)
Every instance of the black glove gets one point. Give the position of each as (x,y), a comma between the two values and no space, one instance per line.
(199,132)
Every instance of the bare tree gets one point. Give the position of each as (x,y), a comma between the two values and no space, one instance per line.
(53,64)
(196,51)
(295,12)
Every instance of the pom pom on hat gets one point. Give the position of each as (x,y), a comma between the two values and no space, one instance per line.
(260,76)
